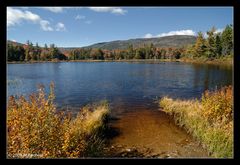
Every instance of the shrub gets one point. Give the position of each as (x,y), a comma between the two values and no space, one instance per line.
(217,105)
(210,119)
(36,129)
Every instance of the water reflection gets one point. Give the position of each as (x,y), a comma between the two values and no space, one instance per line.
(209,76)
(127,86)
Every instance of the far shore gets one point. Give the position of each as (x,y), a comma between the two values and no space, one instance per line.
(228,61)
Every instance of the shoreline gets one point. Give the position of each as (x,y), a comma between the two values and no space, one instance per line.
(197,118)
(228,61)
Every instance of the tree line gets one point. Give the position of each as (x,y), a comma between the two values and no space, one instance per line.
(211,45)
(28,52)
(215,45)
(145,52)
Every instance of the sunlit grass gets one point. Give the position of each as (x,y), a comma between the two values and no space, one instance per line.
(36,130)
(210,119)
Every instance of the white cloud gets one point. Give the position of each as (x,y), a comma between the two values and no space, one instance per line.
(54,9)
(79,17)
(114,10)
(58,9)
(60,27)
(45,25)
(16,16)
(82,17)
(88,22)
(179,32)
(118,11)
(218,31)
(205,35)
(148,35)
(171,33)
(13,40)
(24,8)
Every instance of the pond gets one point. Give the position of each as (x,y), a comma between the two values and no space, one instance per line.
(133,89)
(126,85)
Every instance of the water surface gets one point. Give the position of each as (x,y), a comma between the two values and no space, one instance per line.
(127,86)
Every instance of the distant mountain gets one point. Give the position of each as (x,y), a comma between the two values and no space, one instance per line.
(14,43)
(168,41)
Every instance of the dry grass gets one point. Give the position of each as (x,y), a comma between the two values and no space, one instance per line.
(210,119)
(36,130)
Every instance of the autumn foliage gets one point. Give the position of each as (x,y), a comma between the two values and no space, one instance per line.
(209,119)
(218,105)
(36,130)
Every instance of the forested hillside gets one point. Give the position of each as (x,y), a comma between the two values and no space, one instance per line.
(212,45)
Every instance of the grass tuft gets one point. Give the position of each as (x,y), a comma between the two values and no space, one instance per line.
(210,119)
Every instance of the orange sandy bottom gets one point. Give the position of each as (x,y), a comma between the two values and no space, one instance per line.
(154,131)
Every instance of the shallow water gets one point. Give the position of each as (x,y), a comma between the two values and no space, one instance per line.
(154,132)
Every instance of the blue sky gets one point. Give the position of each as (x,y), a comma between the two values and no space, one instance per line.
(82,26)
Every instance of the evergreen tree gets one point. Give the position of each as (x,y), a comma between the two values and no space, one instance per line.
(45,47)
(27,51)
(227,40)
(38,51)
(20,53)
(54,52)
(199,48)
(218,45)
(130,52)
(211,43)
